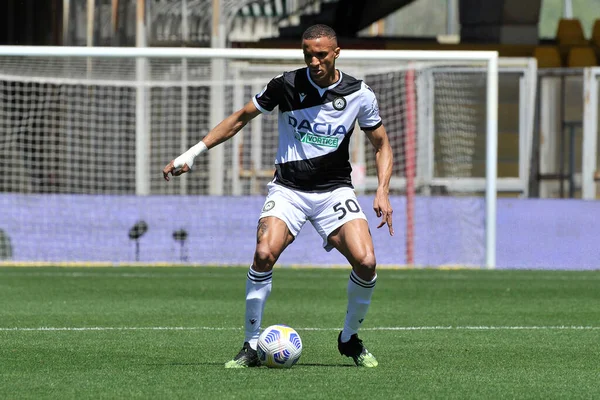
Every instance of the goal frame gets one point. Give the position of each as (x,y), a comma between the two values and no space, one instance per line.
(589,172)
(218,55)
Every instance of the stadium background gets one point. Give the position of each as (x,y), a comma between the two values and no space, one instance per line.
(123,288)
(546,226)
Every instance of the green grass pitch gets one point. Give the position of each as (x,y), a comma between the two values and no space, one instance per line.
(135,332)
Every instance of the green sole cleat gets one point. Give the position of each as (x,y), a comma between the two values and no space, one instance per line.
(355,349)
(365,359)
(247,357)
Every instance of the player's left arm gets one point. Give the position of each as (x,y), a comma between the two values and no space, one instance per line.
(383,162)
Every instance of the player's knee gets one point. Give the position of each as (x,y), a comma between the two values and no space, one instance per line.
(264,259)
(365,266)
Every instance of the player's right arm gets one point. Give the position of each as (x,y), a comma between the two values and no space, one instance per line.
(225,130)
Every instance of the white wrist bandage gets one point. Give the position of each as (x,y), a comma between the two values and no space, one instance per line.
(189,156)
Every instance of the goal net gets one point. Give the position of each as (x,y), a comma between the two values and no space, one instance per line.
(87,132)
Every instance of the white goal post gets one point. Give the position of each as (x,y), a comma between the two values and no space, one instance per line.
(174,106)
(589,169)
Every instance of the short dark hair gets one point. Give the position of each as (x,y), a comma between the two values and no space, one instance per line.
(318,31)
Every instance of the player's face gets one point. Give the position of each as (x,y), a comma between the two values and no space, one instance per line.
(319,56)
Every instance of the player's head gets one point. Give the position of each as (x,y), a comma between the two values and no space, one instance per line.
(319,44)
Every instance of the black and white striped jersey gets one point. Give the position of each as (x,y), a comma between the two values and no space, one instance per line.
(315,126)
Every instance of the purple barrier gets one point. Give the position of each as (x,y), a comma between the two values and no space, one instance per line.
(548,234)
(551,234)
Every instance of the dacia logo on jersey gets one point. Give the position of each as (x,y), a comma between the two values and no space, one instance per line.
(319,128)
(305,132)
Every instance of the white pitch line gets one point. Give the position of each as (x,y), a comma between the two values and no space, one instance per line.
(121,328)
(389,328)
(406,275)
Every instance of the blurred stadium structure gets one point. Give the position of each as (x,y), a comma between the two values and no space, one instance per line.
(183,21)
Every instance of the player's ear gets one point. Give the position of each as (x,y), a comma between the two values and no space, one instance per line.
(337,52)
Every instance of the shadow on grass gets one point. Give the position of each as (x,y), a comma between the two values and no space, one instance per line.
(326,365)
(178,364)
(219,364)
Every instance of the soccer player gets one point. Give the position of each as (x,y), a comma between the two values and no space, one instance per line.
(318,108)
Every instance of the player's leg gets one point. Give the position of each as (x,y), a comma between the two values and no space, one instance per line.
(272,237)
(353,240)
(343,226)
(280,221)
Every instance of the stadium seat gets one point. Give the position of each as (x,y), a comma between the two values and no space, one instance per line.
(570,33)
(547,57)
(595,39)
(580,57)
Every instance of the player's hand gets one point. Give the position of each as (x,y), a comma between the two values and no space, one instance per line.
(170,169)
(383,209)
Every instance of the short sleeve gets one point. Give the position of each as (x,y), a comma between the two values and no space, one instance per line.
(270,96)
(368,116)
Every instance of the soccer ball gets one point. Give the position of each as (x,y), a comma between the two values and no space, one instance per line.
(279,346)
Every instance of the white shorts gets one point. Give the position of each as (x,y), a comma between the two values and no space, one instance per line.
(326,211)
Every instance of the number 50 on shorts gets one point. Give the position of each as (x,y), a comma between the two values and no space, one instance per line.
(349,205)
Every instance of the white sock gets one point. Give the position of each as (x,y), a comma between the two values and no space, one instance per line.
(258,288)
(359,299)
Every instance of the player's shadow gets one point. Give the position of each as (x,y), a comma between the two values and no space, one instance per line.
(325,365)
(179,364)
(219,364)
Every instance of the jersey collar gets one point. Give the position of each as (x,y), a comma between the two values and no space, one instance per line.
(319,88)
